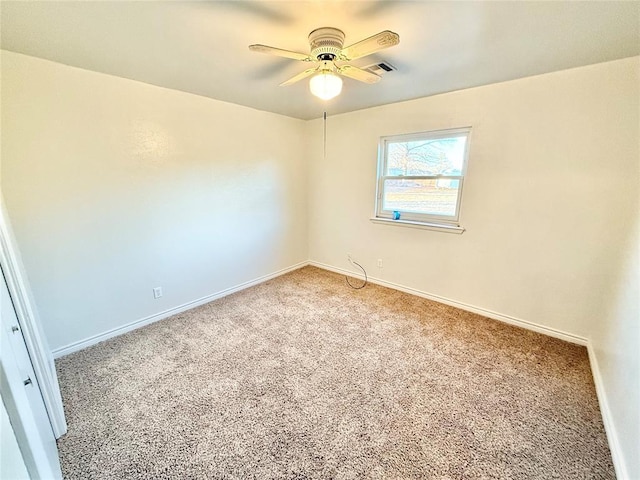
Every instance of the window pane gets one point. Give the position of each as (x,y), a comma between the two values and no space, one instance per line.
(437,156)
(432,197)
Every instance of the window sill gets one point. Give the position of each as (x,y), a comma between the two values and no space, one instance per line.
(457,229)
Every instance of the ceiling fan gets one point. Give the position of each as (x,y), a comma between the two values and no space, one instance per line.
(325,50)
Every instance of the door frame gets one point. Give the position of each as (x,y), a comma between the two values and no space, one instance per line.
(37,346)
(35,447)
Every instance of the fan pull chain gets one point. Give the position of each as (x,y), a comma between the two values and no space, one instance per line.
(324,137)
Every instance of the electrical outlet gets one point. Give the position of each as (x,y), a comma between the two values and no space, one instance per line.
(379,263)
(157,292)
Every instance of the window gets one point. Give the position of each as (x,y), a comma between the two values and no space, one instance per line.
(420,177)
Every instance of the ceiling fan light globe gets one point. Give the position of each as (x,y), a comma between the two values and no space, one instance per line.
(325,85)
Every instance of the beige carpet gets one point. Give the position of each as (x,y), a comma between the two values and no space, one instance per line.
(302,377)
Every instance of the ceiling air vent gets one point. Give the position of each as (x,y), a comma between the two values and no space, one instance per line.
(380,68)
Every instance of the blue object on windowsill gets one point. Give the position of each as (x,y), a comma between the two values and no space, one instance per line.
(396,215)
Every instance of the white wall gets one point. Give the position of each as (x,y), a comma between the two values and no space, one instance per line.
(549,204)
(616,344)
(544,203)
(114,187)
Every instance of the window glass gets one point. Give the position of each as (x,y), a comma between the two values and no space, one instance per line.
(440,156)
(422,175)
(432,197)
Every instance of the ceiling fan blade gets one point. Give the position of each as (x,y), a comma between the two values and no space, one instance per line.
(280,52)
(307,73)
(358,74)
(370,45)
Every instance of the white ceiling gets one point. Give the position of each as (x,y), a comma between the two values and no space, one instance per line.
(201,47)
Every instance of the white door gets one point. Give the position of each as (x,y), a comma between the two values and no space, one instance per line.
(22,397)
(11,461)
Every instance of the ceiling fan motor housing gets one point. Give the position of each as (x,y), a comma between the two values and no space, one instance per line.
(326,42)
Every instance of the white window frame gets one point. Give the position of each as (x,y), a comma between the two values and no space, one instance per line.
(440,222)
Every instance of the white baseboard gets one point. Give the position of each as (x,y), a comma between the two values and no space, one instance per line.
(552,332)
(87,342)
(607,417)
